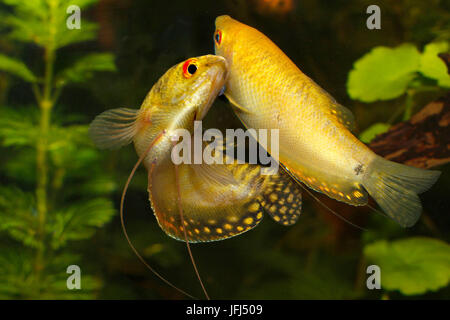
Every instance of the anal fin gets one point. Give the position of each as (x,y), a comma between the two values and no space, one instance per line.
(343,116)
(333,186)
(282,198)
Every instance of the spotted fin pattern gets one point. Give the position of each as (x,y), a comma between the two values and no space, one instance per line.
(344,116)
(333,186)
(204,230)
(282,199)
(213,208)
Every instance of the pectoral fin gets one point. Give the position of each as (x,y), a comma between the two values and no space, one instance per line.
(114,128)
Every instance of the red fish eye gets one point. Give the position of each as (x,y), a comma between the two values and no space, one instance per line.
(218,37)
(189,68)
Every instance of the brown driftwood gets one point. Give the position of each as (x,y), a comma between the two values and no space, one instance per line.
(422,142)
(446,58)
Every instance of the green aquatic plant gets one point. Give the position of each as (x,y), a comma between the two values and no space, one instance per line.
(388,73)
(42,149)
(412,265)
(409,265)
(317,258)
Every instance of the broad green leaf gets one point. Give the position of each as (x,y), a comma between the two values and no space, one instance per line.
(432,66)
(383,73)
(412,265)
(17,68)
(85,67)
(370,133)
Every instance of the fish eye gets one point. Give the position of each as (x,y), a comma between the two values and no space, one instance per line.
(192,68)
(218,37)
(189,68)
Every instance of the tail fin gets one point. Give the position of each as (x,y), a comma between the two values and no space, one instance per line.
(395,187)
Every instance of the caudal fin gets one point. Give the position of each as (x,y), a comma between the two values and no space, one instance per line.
(395,187)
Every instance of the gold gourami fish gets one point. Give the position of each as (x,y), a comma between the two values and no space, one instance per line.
(316,146)
(218,201)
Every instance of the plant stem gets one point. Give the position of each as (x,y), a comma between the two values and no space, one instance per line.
(36,92)
(46,105)
(408,104)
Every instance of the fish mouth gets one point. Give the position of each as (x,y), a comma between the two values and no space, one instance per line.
(217,76)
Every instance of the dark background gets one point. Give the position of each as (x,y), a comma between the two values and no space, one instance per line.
(318,258)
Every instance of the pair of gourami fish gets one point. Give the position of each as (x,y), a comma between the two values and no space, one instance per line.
(267,91)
